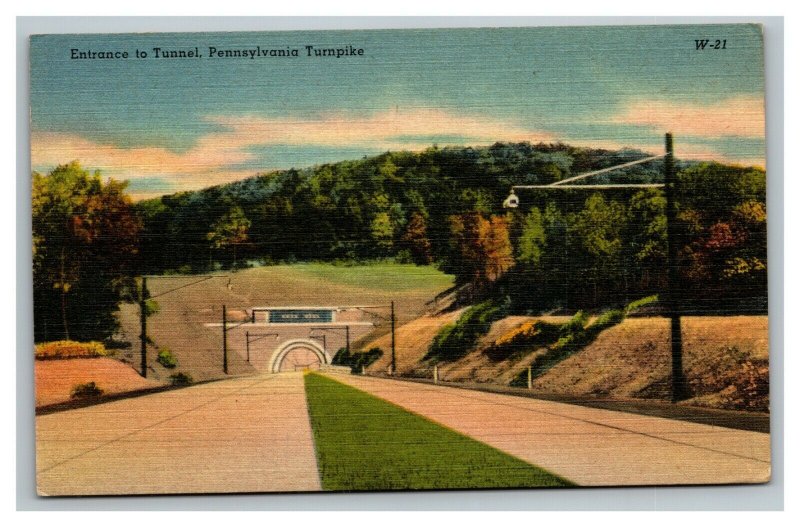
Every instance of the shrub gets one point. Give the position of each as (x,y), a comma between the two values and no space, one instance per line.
(527,337)
(608,319)
(575,335)
(575,324)
(166,359)
(357,360)
(454,341)
(69,349)
(181,379)
(636,304)
(151,307)
(85,391)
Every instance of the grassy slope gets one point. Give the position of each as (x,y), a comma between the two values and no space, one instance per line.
(725,359)
(179,324)
(365,443)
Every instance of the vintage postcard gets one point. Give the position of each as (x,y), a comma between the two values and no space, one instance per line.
(399,259)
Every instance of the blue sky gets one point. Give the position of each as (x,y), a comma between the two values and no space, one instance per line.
(178,124)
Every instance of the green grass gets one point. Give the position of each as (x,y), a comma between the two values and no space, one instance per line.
(378,276)
(365,443)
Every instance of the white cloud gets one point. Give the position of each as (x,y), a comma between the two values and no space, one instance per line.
(209,160)
(741,116)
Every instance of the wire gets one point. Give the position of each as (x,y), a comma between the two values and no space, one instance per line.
(596,172)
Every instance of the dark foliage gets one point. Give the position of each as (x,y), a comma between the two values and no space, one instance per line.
(356,361)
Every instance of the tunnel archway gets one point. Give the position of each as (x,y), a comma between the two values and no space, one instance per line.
(300,348)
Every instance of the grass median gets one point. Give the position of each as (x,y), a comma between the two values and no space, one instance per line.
(366,443)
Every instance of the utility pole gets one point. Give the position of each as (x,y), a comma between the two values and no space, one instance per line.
(143,323)
(247,345)
(145,295)
(224,340)
(679,387)
(394,363)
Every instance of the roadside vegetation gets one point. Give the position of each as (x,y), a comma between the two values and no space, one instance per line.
(181,379)
(453,341)
(86,391)
(68,349)
(570,337)
(365,443)
(356,361)
(166,359)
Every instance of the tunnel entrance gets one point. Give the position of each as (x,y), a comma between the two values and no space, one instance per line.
(298,355)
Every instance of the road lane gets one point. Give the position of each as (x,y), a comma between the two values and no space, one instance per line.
(249,434)
(589,446)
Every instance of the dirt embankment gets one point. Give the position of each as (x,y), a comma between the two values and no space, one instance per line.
(186,308)
(55,379)
(726,360)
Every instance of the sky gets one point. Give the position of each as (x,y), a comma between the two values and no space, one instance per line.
(169,125)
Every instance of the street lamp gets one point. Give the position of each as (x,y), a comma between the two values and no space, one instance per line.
(679,385)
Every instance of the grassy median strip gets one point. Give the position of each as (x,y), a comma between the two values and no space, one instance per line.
(366,443)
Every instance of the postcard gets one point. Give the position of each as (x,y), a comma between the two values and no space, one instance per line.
(381,260)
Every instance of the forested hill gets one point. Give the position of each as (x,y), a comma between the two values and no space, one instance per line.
(364,208)
(444,206)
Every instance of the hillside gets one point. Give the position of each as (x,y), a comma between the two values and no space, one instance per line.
(179,324)
(55,379)
(725,360)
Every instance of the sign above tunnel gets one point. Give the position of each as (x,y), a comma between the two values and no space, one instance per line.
(300,316)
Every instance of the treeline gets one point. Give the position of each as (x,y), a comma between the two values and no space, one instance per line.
(397,204)
(561,249)
(604,250)
(567,249)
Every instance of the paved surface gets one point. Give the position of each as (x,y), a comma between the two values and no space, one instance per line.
(239,435)
(589,446)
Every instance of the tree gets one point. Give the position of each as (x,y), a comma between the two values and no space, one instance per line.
(597,230)
(85,237)
(230,230)
(482,247)
(499,251)
(530,246)
(647,239)
(416,240)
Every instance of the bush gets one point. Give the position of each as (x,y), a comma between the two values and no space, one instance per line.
(454,341)
(166,359)
(86,391)
(575,335)
(69,349)
(608,319)
(636,304)
(356,361)
(181,379)
(525,338)
(151,307)
(575,324)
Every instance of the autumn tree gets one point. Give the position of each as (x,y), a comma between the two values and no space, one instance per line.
(85,237)
(415,238)
(482,247)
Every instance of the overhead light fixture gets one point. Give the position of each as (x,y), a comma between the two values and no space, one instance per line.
(512,201)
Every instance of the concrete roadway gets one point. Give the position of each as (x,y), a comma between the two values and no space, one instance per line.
(252,434)
(588,446)
(248,434)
